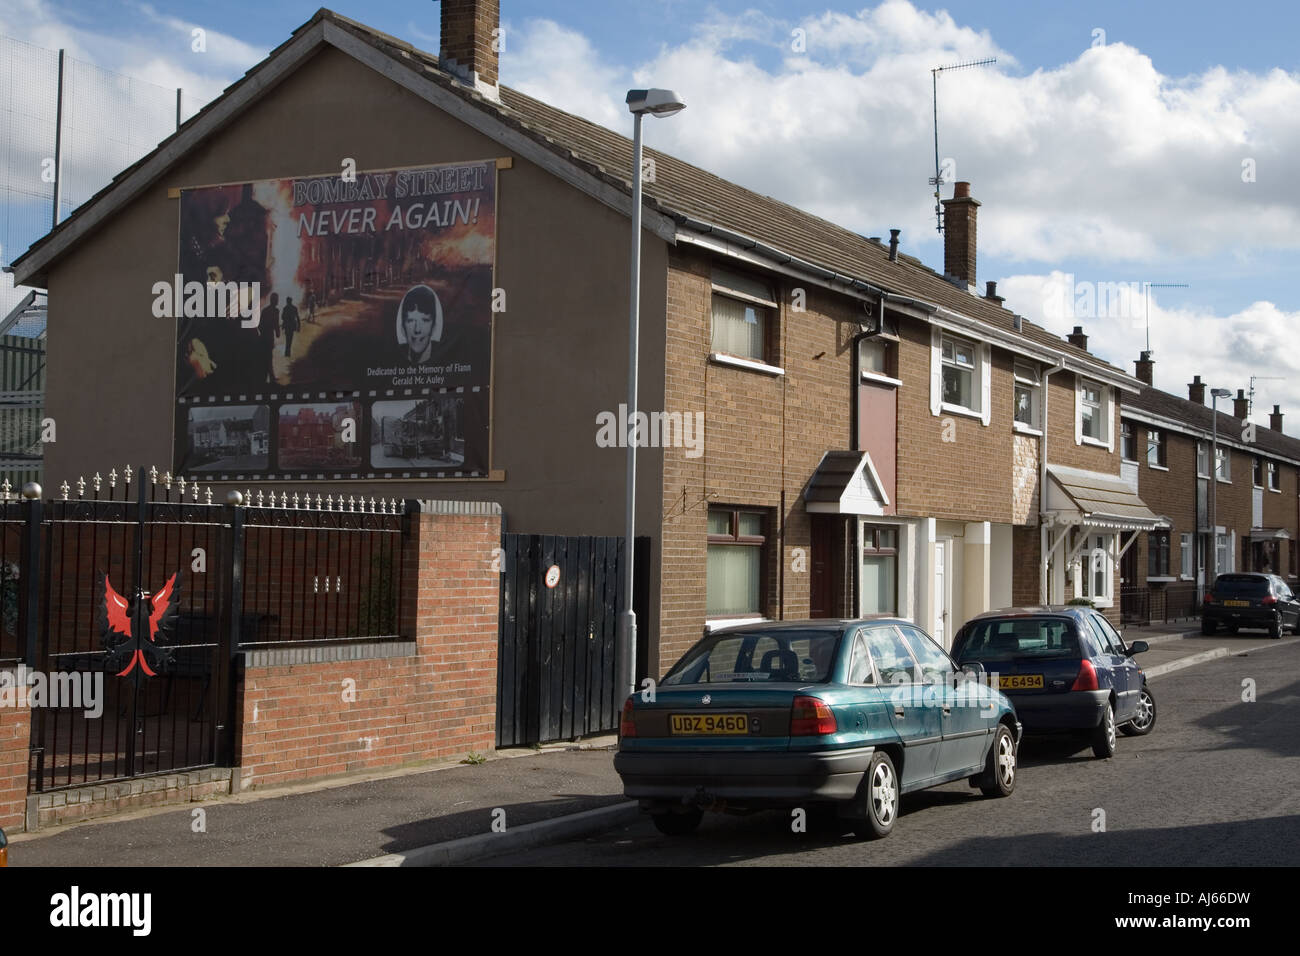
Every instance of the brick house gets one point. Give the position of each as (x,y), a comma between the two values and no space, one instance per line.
(1254,518)
(878,432)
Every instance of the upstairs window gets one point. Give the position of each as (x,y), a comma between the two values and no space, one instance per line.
(1223,464)
(1028,394)
(1258,475)
(1274,479)
(1156,445)
(1202,460)
(960,374)
(1128,441)
(1092,413)
(744,312)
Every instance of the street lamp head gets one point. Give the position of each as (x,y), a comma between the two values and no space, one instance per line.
(1221,392)
(655,102)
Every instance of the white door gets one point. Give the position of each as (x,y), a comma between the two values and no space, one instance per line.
(941,593)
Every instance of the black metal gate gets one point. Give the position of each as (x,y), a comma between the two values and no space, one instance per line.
(555,664)
(154,694)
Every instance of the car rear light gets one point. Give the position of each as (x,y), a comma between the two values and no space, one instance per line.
(1270,600)
(626,725)
(1209,597)
(1087,679)
(811,717)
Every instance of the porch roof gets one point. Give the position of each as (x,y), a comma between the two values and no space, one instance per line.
(846,482)
(1269,534)
(1095,499)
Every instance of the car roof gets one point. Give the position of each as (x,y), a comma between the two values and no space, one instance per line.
(818,623)
(1040,610)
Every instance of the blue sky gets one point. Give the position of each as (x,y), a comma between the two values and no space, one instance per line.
(1115,158)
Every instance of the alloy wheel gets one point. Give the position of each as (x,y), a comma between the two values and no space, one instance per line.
(1007,760)
(884,794)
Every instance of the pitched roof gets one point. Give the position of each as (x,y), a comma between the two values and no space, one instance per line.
(1198,420)
(680,191)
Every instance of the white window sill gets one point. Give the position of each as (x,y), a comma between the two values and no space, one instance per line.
(1225,481)
(719,623)
(1024,429)
(1203,476)
(880,379)
(1162,579)
(1096,442)
(961,410)
(1129,461)
(1157,467)
(753,366)
(1276,491)
(722,358)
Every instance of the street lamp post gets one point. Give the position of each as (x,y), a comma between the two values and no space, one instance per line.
(656,103)
(1215,395)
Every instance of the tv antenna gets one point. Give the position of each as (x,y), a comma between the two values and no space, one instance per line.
(937,180)
(1147,287)
(1259,378)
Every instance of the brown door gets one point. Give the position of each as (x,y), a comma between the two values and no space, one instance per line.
(821,579)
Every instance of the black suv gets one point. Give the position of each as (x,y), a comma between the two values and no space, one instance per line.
(1250,600)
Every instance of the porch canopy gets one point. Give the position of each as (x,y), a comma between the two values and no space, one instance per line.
(846,483)
(1269,534)
(1093,503)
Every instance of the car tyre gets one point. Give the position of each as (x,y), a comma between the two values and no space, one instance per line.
(1275,629)
(1103,738)
(1142,724)
(1207,626)
(999,777)
(678,824)
(879,799)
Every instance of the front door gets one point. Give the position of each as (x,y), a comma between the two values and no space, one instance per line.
(821,579)
(941,549)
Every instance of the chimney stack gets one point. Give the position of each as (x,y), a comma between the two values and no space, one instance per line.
(1145,367)
(893,244)
(1275,419)
(468,46)
(991,293)
(1196,390)
(1077,338)
(959,214)
(1241,405)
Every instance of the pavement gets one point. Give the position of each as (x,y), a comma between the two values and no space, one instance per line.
(453,813)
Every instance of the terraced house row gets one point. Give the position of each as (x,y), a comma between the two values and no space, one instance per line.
(1247,520)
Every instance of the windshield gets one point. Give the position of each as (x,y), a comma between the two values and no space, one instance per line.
(1017,638)
(787,655)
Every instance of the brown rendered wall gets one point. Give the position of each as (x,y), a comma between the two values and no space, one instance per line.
(560,349)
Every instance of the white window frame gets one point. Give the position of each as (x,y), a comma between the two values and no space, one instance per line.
(1094,550)
(1257,467)
(1027,376)
(1105,414)
(1186,557)
(1133,428)
(1273,475)
(980,377)
(1202,460)
(1162,444)
(1223,474)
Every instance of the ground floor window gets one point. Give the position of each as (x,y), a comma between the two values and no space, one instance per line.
(1185,547)
(735,562)
(1157,554)
(879,570)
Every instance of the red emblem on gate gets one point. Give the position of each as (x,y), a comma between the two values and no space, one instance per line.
(125,640)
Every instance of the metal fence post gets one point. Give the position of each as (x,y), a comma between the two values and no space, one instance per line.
(30,576)
(234,612)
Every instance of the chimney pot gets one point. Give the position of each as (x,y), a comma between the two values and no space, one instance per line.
(1275,419)
(893,244)
(1077,338)
(959,221)
(1145,368)
(1241,405)
(1196,390)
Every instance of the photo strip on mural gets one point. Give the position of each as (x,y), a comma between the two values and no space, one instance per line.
(344,325)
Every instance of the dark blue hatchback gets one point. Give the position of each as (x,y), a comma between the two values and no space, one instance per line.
(1064,668)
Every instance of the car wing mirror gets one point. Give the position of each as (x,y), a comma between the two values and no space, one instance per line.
(971,670)
(1138,647)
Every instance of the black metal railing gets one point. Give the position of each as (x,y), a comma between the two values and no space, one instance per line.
(260,571)
(1159,603)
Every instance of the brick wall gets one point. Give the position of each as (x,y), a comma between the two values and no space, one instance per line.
(434,699)
(1170,492)
(15,740)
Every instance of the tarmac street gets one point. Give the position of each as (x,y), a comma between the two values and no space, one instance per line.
(1216,782)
